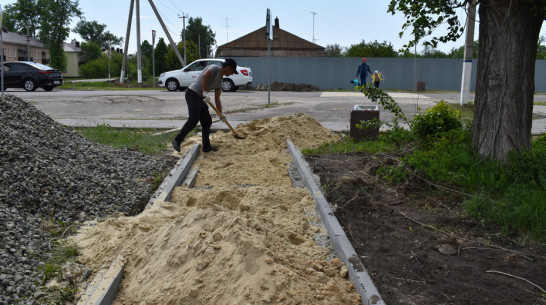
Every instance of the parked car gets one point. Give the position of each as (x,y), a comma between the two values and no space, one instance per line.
(181,79)
(30,75)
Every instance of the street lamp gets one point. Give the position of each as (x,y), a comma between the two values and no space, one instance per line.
(184,16)
(314,25)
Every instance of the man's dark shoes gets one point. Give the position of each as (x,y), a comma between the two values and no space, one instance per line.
(209,148)
(176,145)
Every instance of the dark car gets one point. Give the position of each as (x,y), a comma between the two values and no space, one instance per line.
(31,75)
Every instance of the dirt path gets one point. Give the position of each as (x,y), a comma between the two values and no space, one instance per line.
(242,235)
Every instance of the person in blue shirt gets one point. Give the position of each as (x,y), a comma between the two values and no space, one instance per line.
(362,72)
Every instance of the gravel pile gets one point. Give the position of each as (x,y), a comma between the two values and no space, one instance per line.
(48,174)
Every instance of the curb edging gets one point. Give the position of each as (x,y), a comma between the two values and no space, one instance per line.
(104,287)
(343,247)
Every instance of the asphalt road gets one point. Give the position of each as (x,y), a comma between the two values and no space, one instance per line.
(162,104)
(164,109)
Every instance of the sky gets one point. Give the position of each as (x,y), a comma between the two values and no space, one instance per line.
(324,22)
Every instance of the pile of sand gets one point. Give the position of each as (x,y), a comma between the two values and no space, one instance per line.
(240,236)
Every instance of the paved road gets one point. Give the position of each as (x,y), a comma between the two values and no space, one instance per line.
(164,109)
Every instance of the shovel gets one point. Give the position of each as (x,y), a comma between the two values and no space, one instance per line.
(223,119)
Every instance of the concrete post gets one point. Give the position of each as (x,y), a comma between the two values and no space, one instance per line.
(468,50)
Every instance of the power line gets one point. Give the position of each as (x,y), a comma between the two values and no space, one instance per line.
(173,4)
(164,16)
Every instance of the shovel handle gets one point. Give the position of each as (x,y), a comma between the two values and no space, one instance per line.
(222,117)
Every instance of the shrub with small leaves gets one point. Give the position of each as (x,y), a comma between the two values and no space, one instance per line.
(440,118)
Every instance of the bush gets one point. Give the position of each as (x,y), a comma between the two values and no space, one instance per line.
(98,68)
(440,118)
(512,194)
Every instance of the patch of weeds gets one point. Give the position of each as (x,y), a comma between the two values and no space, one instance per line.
(157,180)
(395,174)
(60,274)
(272,104)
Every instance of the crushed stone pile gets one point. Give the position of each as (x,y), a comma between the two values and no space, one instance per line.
(50,174)
(242,235)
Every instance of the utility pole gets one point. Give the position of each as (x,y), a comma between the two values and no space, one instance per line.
(184,16)
(125,49)
(173,45)
(28,41)
(314,25)
(153,55)
(468,50)
(139,55)
(227,34)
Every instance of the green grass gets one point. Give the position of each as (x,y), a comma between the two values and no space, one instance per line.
(63,254)
(143,140)
(512,195)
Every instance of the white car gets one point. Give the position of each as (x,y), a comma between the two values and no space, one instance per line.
(182,79)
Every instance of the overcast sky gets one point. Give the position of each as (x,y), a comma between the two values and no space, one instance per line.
(344,23)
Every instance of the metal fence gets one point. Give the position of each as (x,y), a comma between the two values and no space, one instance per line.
(400,73)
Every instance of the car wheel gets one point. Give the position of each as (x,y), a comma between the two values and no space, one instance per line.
(29,85)
(171,84)
(227,85)
(48,88)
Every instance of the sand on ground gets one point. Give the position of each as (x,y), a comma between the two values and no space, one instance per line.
(239,236)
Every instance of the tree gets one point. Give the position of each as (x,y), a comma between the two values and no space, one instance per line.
(160,53)
(508,41)
(91,50)
(147,64)
(334,50)
(55,16)
(109,40)
(99,67)
(373,49)
(172,62)
(90,30)
(459,52)
(94,31)
(16,16)
(201,35)
(430,52)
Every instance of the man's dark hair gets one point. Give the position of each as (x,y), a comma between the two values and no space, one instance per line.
(231,63)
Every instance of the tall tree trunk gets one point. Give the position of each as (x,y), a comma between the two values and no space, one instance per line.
(505,77)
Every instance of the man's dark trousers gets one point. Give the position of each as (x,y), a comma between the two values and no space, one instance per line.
(198,112)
